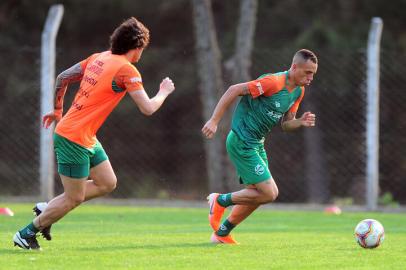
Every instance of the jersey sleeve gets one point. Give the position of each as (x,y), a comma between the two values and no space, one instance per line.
(295,105)
(266,86)
(83,63)
(129,78)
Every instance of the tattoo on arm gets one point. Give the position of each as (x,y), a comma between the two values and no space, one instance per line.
(72,74)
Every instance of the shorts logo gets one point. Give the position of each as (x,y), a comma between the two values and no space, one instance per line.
(259,169)
(259,86)
(277,104)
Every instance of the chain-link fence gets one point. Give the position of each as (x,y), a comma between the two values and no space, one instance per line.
(392,151)
(163,156)
(19,121)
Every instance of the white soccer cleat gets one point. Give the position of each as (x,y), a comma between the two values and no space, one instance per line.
(41,206)
(26,243)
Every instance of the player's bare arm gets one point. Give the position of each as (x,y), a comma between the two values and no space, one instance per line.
(148,106)
(224,103)
(290,123)
(72,74)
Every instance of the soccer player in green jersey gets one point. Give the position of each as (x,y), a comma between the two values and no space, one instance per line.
(265,101)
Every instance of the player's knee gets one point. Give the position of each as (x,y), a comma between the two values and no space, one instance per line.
(268,190)
(74,201)
(109,186)
(274,194)
(271,195)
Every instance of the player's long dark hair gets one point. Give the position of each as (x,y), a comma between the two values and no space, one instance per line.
(131,34)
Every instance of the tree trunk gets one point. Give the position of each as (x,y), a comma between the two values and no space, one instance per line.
(222,177)
(240,63)
(238,66)
(316,177)
(210,85)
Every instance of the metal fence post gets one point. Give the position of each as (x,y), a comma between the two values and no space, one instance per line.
(372,117)
(47,96)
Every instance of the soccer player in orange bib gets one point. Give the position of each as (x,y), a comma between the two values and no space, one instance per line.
(266,101)
(83,165)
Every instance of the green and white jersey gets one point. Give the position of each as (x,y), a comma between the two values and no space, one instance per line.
(256,114)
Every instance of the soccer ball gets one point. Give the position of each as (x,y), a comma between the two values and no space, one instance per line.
(369,233)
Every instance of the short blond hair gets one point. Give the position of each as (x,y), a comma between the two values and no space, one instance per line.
(303,55)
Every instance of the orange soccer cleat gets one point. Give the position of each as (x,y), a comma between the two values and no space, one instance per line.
(215,239)
(216,211)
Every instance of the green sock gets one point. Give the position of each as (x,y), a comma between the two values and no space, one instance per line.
(225,228)
(29,231)
(225,200)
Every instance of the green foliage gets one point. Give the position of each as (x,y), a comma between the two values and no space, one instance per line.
(387,199)
(346,201)
(318,35)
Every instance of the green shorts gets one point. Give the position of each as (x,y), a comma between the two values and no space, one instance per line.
(75,160)
(250,161)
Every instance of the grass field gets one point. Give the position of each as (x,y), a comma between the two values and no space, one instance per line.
(116,237)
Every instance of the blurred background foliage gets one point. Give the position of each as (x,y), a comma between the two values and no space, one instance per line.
(338,24)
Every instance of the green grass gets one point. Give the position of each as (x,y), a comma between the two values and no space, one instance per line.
(115,237)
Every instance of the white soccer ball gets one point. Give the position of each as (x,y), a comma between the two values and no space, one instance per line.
(369,233)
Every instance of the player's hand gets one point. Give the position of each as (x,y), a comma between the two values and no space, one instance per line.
(308,119)
(51,117)
(167,86)
(209,129)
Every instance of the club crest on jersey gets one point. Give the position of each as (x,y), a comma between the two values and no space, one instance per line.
(277,104)
(259,87)
(259,169)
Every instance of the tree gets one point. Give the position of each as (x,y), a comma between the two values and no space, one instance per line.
(211,84)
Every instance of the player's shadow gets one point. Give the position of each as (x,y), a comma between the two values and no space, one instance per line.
(149,246)
(16,250)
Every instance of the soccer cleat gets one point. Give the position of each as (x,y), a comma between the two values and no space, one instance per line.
(38,209)
(216,211)
(215,239)
(26,243)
